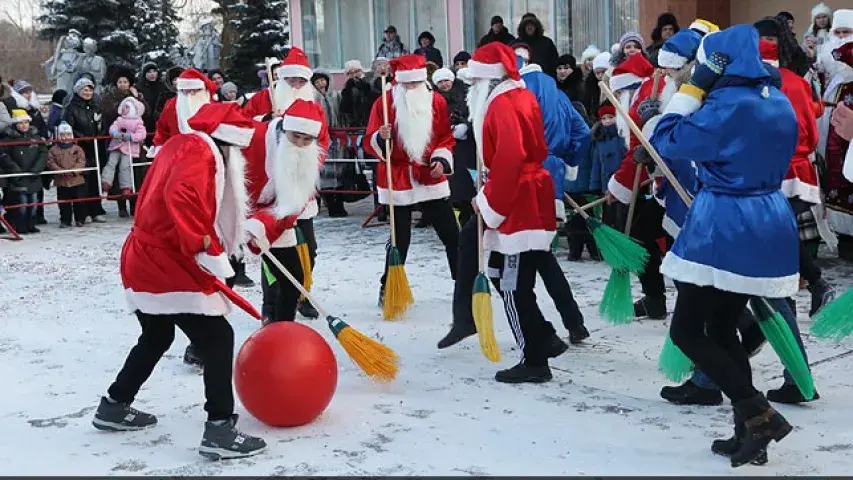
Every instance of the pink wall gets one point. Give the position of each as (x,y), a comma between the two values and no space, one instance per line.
(455,28)
(295,9)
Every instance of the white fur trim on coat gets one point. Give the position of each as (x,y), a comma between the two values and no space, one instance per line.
(618,82)
(686,271)
(173,303)
(258,232)
(491,218)
(218,266)
(670,227)
(417,194)
(310,211)
(794,187)
(619,191)
(518,242)
(682,104)
(446,154)
(561,210)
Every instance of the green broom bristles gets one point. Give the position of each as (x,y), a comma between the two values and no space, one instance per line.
(270,278)
(617,307)
(673,363)
(781,338)
(620,251)
(835,320)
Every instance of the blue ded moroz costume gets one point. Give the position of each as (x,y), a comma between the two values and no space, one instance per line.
(739,238)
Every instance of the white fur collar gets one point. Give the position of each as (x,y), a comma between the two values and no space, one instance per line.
(530,67)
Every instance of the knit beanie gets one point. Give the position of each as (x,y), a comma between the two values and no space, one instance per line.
(628,37)
(228,87)
(567,60)
(64,130)
(59,96)
(83,82)
(20,86)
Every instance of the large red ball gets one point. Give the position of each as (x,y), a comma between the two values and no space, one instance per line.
(285,374)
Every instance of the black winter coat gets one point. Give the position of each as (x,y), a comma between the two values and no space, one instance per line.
(150,92)
(544,51)
(356,102)
(28,158)
(462,188)
(84,117)
(431,54)
(503,36)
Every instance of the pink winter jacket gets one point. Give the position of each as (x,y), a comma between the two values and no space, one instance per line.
(130,120)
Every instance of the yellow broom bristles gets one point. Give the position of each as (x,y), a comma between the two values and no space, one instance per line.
(376,360)
(305,262)
(484,321)
(398,293)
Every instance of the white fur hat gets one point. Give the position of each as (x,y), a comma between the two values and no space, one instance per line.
(602,60)
(443,74)
(821,9)
(591,52)
(843,18)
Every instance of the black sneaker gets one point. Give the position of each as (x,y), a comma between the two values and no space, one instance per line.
(523,373)
(121,417)
(556,347)
(578,335)
(244,281)
(123,214)
(222,441)
(191,357)
(822,294)
(456,335)
(651,307)
(789,394)
(307,310)
(690,394)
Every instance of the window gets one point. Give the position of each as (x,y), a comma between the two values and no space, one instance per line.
(333,34)
(411,17)
(479,13)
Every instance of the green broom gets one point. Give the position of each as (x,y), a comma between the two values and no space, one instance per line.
(774,327)
(673,363)
(835,320)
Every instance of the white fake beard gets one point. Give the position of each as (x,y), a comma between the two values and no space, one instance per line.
(413,110)
(235,206)
(297,170)
(830,65)
(478,95)
(670,88)
(625,97)
(285,95)
(187,106)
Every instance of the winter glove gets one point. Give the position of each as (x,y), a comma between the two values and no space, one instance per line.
(648,109)
(641,156)
(460,131)
(706,74)
(115,134)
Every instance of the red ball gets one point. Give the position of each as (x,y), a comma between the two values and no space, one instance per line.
(285,374)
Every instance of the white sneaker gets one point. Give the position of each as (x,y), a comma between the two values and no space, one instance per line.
(99,219)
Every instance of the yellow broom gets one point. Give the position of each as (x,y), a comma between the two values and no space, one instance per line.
(481,303)
(375,359)
(304,260)
(398,294)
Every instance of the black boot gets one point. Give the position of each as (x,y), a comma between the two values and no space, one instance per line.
(789,394)
(456,335)
(575,247)
(523,373)
(557,346)
(729,446)
(689,393)
(191,357)
(652,307)
(578,335)
(822,294)
(307,310)
(763,425)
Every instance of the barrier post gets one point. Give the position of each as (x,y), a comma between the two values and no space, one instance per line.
(132,176)
(98,168)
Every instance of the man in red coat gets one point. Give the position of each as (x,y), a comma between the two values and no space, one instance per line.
(516,202)
(189,219)
(801,183)
(421,156)
(283,167)
(194,89)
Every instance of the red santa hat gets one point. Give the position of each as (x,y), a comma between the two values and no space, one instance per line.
(494,60)
(225,122)
(304,117)
(633,70)
(769,52)
(295,65)
(192,79)
(409,68)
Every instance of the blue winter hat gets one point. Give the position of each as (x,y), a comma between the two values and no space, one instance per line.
(740,43)
(679,49)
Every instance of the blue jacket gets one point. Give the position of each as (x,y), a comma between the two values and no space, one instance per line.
(565,130)
(740,234)
(606,154)
(54,118)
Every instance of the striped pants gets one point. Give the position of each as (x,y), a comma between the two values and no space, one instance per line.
(514,277)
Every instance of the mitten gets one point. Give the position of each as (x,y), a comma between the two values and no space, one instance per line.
(706,74)
(648,109)
(641,155)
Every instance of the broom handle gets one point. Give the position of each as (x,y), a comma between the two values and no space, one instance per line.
(576,207)
(481,264)
(603,200)
(632,204)
(388,165)
(281,268)
(649,148)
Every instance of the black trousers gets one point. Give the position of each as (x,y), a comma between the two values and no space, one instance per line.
(559,290)
(442,219)
(809,271)
(514,278)
(213,340)
(466,211)
(647,227)
(281,298)
(66,209)
(577,231)
(704,326)
(40,199)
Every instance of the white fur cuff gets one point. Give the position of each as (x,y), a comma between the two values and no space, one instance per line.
(682,104)
(491,218)
(217,266)
(258,233)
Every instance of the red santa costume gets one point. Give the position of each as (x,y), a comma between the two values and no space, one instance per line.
(421,154)
(282,177)
(517,201)
(190,84)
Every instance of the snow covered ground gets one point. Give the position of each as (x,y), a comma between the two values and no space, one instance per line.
(64,333)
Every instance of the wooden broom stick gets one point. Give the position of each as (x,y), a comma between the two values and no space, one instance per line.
(636,188)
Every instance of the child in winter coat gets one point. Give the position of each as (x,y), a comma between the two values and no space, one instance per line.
(128,132)
(607,151)
(582,186)
(57,108)
(29,158)
(66,155)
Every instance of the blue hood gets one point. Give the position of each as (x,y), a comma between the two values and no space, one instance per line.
(740,43)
